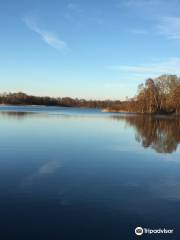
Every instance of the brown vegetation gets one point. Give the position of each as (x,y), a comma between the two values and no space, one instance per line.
(24,99)
(160,95)
(158,133)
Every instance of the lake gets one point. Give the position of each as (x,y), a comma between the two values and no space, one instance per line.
(79,174)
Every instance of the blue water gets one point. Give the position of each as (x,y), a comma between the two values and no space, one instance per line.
(72,174)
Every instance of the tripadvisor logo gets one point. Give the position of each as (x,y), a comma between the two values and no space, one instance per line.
(139,231)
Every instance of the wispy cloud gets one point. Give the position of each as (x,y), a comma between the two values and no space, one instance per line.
(138,31)
(140,3)
(170,26)
(165,5)
(171,66)
(48,37)
(73,6)
(48,168)
(74,14)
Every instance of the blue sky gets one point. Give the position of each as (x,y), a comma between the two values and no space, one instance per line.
(87,49)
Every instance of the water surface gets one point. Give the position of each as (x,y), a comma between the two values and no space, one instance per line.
(75,174)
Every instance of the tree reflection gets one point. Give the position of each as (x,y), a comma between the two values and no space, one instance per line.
(159,133)
(17,115)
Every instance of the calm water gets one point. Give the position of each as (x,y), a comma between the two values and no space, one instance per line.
(78,174)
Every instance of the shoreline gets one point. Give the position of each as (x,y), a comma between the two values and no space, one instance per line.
(105,110)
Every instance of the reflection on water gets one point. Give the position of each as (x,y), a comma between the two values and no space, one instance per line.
(159,133)
(80,174)
(15,114)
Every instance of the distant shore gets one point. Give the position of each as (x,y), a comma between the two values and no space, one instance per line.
(150,100)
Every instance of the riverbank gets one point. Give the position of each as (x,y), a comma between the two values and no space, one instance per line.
(108,110)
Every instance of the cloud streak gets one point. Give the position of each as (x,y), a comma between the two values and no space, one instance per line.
(72,6)
(162,16)
(48,37)
(170,66)
(138,31)
(170,26)
(141,3)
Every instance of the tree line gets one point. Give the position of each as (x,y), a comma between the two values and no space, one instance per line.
(24,99)
(159,95)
